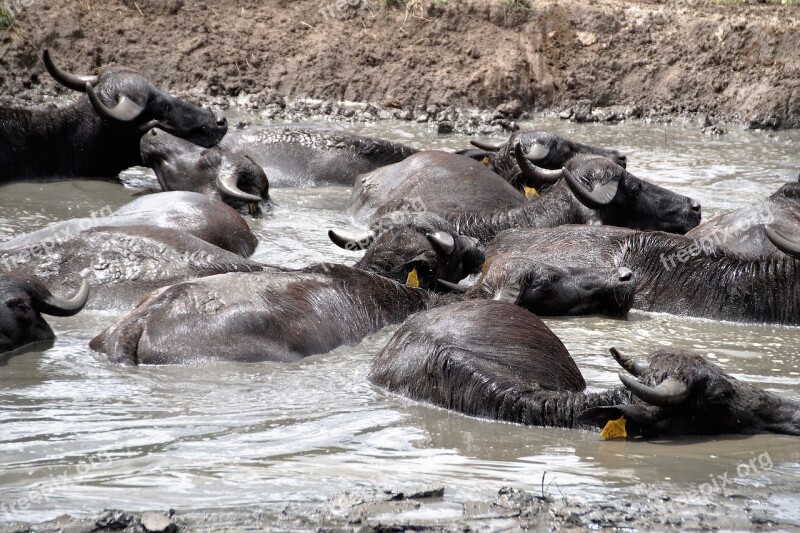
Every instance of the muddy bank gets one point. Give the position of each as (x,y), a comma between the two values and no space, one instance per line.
(424,509)
(632,59)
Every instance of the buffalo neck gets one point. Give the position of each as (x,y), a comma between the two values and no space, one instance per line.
(556,207)
(680,276)
(71,141)
(557,408)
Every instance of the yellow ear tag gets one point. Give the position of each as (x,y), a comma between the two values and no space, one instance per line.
(412,280)
(485,161)
(530,192)
(615,429)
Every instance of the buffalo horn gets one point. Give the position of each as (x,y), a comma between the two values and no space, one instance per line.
(55,306)
(601,196)
(442,242)
(489,147)
(783,243)
(351,242)
(533,173)
(634,367)
(126,109)
(71,81)
(668,392)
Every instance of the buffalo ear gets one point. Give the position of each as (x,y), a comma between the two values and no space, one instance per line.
(415,273)
(638,417)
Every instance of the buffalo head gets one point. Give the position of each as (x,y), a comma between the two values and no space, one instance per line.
(183,166)
(678,392)
(23,300)
(125,98)
(423,240)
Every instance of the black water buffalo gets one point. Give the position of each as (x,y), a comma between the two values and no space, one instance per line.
(594,190)
(270,316)
(23,300)
(545,150)
(206,218)
(553,290)
(742,231)
(495,360)
(123,264)
(402,240)
(181,165)
(303,157)
(674,274)
(97,135)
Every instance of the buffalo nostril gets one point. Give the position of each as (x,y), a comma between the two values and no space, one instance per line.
(221,121)
(695,205)
(625,274)
(153,132)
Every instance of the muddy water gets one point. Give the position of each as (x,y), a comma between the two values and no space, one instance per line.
(86,435)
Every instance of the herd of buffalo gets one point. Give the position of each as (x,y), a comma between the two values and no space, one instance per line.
(464,249)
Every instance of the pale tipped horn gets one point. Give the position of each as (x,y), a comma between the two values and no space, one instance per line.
(489,147)
(783,243)
(70,81)
(228,184)
(351,242)
(668,392)
(442,242)
(55,306)
(126,109)
(602,195)
(535,174)
(633,366)
(454,287)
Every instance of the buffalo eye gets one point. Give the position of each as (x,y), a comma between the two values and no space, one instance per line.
(19,306)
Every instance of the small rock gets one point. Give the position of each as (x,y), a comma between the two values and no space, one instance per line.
(586,38)
(157,523)
(444,127)
(422,118)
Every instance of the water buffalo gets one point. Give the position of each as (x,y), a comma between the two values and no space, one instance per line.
(495,360)
(123,264)
(303,157)
(98,134)
(184,166)
(270,316)
(403,239)
(674,274)
(545,150)
(742,231)
(206,218)
(23,300)
(552,290)
(594,190)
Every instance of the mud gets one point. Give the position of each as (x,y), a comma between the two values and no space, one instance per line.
(470,66)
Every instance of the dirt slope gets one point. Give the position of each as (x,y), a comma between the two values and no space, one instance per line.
(732,62)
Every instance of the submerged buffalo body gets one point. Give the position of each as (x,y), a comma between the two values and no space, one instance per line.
(674,274)
(497,361)
(479,203)
(181,165)
(206,218)
(300,157)
(270,316)
(23,300)
(98,135)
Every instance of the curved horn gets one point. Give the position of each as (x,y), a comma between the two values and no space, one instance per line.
(228,184)
(783,243)
(442,242)
(600,197)
(532,172)
(489,147)
(633,366)
(126,110)
(351,242)
(55,306)
(668,392)
(70,81)
(454,287)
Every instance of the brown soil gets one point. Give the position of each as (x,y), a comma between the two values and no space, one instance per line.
(730,62)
